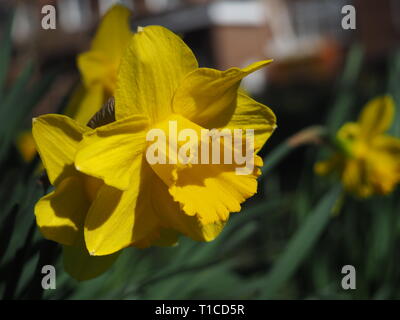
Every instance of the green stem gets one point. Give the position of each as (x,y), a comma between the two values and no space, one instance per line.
(309,135)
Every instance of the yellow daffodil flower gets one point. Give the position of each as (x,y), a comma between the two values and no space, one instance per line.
(369,162)
(134,203)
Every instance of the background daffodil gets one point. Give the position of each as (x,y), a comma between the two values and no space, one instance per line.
(159,80)
(369,162)
(98,67)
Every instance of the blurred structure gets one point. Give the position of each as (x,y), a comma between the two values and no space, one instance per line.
(304,37)
(379,25)
(298,35)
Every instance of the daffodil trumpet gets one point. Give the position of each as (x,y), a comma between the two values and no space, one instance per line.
(202,146)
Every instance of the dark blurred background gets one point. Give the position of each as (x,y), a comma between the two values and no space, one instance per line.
(304,37)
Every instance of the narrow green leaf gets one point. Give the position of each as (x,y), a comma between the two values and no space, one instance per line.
(305,136)
(394,91)
(10,108)
(22,106)
(15,92)
(275,156)
(5,53)
(82,266)
(299,245)
(345,97)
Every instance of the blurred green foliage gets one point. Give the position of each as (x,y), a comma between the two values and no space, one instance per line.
(288,243)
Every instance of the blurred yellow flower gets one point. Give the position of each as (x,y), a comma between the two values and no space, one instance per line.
(369,162)
(98,66)
(141,204)
(26,145)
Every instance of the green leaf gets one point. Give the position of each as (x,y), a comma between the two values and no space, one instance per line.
(394,91)
(345,97)
(10,108)
(299,245)
(5,53)
(82,266)
(275,156)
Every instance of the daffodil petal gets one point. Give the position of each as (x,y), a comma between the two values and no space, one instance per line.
(335,162)
(151,70)
(97,69)
(377,116)
(208,97)
(61,213)
(356,177)
(113,34)
(351,175)
(112,152)
(350,131)
(91,102)
(171,215)
(385,160)
(387,144)
(384,172)
(74,102)
(249,114)
(110,221)
(57,138)
(118,219)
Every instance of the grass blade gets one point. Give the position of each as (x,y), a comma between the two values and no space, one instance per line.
(345,97)
(5,53)
(299,245)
